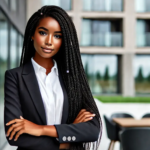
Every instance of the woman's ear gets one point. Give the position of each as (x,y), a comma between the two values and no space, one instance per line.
(32,38)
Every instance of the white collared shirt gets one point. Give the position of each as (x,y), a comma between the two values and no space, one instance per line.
(51,92)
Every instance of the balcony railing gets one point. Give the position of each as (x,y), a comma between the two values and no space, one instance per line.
(103,5)
(143,39)
(110,39)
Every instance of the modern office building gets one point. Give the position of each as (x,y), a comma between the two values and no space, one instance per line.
(114,38)
(12,24)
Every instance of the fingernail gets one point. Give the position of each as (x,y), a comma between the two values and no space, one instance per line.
(93,114)
(14,139)
(6,124)
(91,117)
(9,138)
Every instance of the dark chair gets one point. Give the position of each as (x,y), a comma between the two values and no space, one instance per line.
(135,138)
(112,129)
(146,115)
(121,115)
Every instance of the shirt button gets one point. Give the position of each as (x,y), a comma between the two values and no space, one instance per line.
(73,138)
(69,138)
(64,138)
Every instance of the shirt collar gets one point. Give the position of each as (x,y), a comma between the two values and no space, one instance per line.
(37,67)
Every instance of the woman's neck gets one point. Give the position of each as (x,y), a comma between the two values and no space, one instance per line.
(46,63)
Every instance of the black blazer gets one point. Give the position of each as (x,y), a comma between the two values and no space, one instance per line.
(23,98)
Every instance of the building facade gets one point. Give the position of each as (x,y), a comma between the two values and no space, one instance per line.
(12,24)
(114,42)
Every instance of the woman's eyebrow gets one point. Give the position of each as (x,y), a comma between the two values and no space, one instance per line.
(47,30)
(58,32)
(43,28)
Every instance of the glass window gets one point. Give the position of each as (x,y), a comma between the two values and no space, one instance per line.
(13,5)
(105,33)
(3,68)
(7,1)
(5,46)
(13,47)
(65,4)
(101,73)
(142,74)
(103,5)
(20,48)
(142,5)
(143,33)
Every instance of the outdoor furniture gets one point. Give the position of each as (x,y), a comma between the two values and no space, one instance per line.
(135,138)
(112,129)
(131,122)
(146,115)
(121,115)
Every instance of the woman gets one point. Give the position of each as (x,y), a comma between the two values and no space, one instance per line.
(48,102)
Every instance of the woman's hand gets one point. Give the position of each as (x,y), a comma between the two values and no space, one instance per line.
(83,116)
(23,126)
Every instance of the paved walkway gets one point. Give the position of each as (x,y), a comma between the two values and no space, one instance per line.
(137,110)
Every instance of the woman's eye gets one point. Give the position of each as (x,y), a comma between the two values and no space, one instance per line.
(42,32)
(58,36)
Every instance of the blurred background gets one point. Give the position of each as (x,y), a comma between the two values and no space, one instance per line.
(114,38)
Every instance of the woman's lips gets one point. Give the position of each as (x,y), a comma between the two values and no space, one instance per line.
(47,50)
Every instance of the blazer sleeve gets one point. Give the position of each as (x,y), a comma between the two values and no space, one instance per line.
(80,132)
(12,110)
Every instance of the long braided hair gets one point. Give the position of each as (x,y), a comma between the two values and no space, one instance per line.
(68,58)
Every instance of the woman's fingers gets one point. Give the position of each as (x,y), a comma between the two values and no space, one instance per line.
(86,116)
(13,121)
(12,127)
(83,114)
(14,131)
(87,119)
(18,134)
(82,110)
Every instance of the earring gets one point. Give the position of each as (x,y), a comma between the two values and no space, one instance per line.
(67,71)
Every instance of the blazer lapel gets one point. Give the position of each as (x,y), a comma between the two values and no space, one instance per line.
(33,88)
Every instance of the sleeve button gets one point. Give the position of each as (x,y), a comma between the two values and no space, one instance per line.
(64,138)
(73,138)
(69,138)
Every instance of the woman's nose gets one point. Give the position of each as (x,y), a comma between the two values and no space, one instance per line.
(49,40)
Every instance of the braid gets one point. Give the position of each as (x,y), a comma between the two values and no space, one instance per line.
(68,58)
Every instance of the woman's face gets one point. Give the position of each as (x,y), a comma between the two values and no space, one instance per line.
(47,37)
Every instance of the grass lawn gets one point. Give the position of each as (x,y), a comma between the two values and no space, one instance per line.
(120,99)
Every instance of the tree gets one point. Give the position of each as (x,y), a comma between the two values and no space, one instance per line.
(86,70)
(98,75)
(148,78)
(140,77)
(106,74)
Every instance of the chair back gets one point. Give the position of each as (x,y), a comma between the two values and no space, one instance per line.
(121,115)
(135,138)
(146,115)
(111,129)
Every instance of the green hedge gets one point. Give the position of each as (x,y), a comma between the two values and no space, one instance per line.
(120,99)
